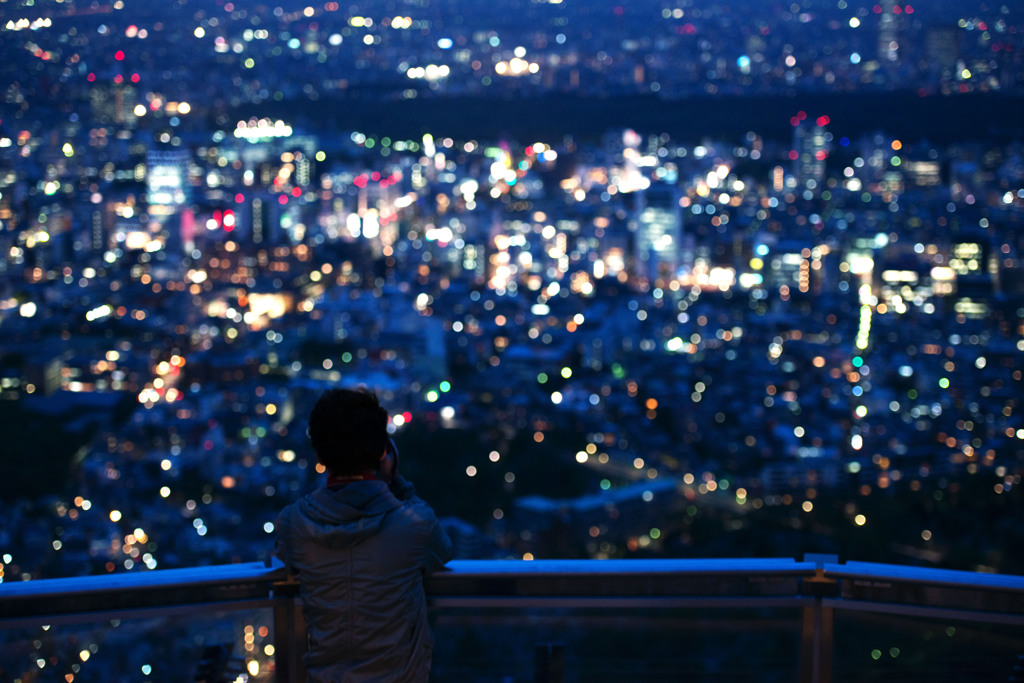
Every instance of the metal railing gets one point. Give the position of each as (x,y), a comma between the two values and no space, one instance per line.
(816,588)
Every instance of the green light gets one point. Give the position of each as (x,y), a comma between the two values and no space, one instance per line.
(655,533)
(542,378)
(944,383)
(566,372)
(617,371)
(432,396)
(605,484)
(857,361)
(446,387)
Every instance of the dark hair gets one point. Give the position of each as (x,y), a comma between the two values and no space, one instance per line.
(349,431)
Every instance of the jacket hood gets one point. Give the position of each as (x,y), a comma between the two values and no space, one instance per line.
(345,516)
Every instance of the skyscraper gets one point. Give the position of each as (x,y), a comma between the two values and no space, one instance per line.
(658,234)
(810,149)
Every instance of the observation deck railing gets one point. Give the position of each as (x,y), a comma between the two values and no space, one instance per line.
(793,603)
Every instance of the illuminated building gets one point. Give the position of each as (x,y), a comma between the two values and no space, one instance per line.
(810,149)
(113,104)
(888,33)
(943,49)
(658,236)
(923,173)
(166,182)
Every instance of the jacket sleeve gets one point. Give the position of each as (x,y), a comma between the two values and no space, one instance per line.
(282,528)
(439,548)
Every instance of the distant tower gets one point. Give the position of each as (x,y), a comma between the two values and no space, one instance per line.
(888,33)
(167,194)
(942,45)
(166,182)
(113,104)
(810,145)
(659,227)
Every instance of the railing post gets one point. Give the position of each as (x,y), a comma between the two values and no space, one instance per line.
(817,636)
(549,663)
(289,634)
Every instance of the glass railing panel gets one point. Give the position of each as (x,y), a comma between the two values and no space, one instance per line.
(613,645)
(197,644)
(873,646)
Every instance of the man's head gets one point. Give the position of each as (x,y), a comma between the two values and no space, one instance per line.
(348,430)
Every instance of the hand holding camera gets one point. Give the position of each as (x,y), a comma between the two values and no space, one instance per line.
(389,463)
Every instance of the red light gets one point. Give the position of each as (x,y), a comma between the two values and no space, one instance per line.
(135,78)
(375,176)
(118,78)
(877,9)
(823,121)
(407,416)
(296,192)
(119,55)
(793,155)
(282,200)
(361,181)
(908,9)
(821,155)
(794,121)
(801,115)
(897,10)
(239,198)
(91,77)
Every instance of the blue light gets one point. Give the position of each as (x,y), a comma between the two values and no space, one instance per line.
(743,62)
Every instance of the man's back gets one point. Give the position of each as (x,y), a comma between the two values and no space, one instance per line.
(360,551)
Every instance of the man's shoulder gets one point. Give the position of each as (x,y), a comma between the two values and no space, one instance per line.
(414,512)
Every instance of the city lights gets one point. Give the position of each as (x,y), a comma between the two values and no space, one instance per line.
(610,312)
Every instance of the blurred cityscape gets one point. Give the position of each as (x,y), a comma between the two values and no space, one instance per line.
(788,330)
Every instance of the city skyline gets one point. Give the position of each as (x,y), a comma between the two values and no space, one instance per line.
(157,250)
(654,279)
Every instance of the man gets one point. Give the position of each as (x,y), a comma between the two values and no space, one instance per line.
(360,548)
